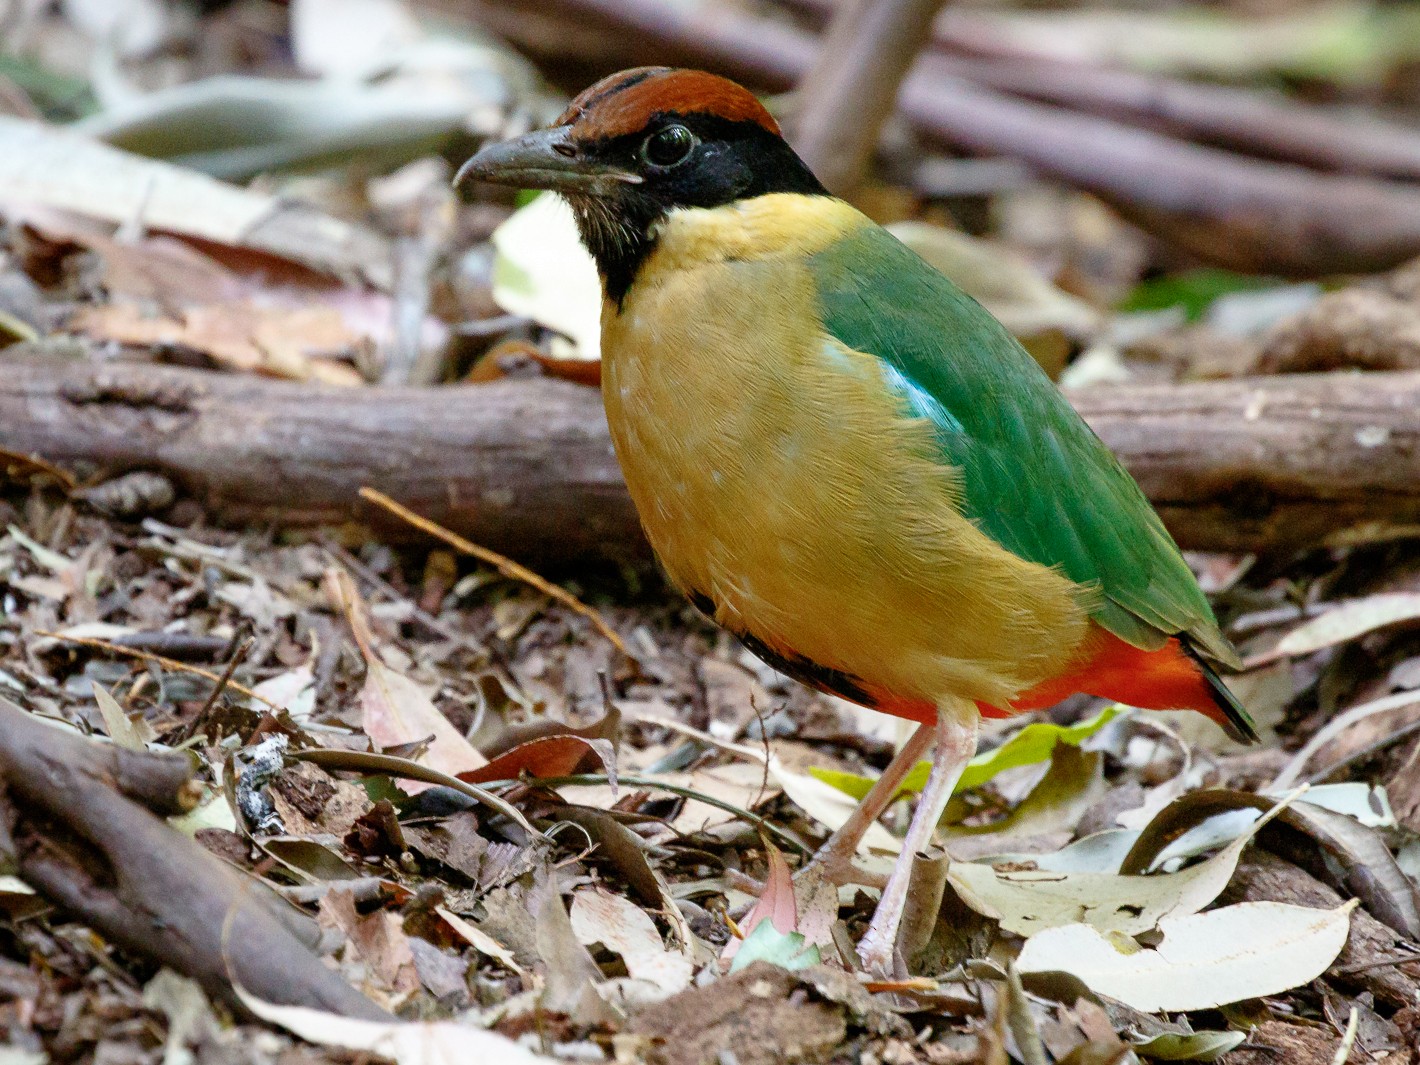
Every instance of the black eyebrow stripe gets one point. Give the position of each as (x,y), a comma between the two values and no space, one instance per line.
(634,77)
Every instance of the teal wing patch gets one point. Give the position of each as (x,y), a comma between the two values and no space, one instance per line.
(1036,477)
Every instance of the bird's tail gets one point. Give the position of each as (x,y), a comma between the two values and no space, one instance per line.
(1171,677)
(1236,721)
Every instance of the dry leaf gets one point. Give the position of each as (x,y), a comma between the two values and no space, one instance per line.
(380,941)
(123,731)
(1205,960)
(412,1043)
(1029,901)
(1345,621)
(550,756)
(543,272)
(395,710)
(777,904)
(621,926)
(297,343)
(479,940)
(58,168)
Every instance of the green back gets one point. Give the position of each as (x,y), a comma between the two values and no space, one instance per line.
(1036,478)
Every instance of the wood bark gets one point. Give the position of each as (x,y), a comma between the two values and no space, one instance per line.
(80,819)
(526,467)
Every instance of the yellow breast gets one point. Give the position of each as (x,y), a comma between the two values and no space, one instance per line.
(776,473)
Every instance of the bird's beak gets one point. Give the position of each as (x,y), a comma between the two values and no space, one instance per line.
(544,159)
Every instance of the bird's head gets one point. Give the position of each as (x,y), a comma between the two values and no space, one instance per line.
(640,144)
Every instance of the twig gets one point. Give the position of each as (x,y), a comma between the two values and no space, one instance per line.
(159,660)
(1247,121)
(1228,209)
(1380,963)
(851,90)
(504,565)
(428,620)
(233,661)
(182,644)
(13,463)
(364,889)
(395,766)
(1241,120)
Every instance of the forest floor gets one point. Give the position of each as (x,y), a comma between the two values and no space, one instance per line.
(558,819)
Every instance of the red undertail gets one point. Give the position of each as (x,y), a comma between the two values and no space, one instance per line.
(1166,679)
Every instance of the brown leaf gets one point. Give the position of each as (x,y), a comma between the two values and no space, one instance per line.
(299,343)
(552,756)
(380,941)
(569,973)
(395,710)
(776,903)
(512,735)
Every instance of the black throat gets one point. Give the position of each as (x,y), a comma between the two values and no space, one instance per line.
(735,161)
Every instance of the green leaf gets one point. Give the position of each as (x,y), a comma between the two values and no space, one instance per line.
(1193,290)
(1198,1046)
(59,96)
(788,950)
(1033,744)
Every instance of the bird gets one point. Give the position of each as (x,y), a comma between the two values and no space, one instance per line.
(845,460)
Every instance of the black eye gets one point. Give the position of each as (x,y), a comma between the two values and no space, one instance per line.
(669,146)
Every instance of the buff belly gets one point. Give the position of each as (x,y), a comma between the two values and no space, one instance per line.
(779,478)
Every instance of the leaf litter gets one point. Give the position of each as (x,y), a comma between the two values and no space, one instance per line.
(556,822)
(623,946)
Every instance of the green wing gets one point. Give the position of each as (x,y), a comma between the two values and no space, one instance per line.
(1036,477)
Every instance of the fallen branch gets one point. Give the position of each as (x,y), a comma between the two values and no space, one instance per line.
(1227,208)
(527,469)
(1241,120)
(852,88)
(1249,121)
(524,468)
(82,818)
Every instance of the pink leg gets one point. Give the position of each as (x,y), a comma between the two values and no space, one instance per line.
(835,858)
(956,743)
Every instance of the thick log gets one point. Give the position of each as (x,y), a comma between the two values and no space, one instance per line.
(526,467)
